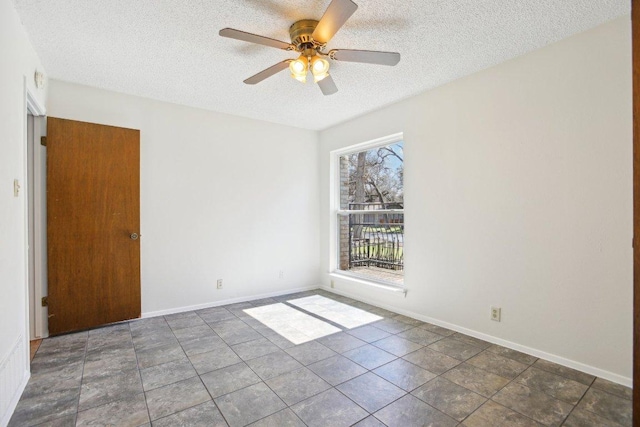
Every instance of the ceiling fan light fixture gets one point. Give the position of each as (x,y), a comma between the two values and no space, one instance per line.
(299,69)
(319,68)
(309,38)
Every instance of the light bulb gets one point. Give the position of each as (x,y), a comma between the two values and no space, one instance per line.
(319,68)
(299,68)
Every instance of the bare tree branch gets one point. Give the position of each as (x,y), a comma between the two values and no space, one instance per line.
(390,152)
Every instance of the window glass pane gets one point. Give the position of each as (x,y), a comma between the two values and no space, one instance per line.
(372,244)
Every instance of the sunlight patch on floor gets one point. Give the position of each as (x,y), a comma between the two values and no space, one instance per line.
(292,324)
(337,312)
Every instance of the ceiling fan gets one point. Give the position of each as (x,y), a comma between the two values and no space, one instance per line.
(310,37)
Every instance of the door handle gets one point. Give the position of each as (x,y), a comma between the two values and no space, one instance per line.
(134,236)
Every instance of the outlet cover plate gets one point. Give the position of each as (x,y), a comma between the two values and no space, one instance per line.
(496,313)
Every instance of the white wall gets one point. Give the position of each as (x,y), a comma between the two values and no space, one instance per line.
(221,197)
(518,191)
(18,61)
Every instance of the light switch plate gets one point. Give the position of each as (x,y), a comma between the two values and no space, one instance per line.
(16,188)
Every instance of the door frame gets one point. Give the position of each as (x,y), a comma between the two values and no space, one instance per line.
(40,224)
(33,107)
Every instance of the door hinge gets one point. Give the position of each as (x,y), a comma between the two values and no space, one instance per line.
(43,141)
(45,301)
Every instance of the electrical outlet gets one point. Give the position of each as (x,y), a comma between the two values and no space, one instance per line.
(281,274)
(16,188)
(495,313)
(332,284)
(219,284)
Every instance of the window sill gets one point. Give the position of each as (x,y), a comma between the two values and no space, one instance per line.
(368,282)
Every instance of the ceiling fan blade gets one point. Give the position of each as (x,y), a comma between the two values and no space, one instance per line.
(264,74)
(254,38)
(334,17)
(327,85)
(365,56)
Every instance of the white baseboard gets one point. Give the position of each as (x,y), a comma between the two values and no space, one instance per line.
(13,379)
(592,370)
(226,302)
(16,398)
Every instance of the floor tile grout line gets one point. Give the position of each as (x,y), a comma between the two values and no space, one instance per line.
(226,394)
(181,410)
(574,408)
(84,361)
(468,415)
(164,363)
(409,393)
(356,403)
(515,410)
(491,399)
(413,389)
(379,366)
(213,400)
(144,393)
(587,410)
(546,393)
(565,376)
(607,392)
(592,386)
(511,358)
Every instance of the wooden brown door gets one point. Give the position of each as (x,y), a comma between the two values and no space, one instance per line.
(93,211)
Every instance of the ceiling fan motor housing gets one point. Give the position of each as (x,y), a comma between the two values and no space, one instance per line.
(300,33)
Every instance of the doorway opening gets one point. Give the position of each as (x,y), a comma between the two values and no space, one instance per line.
(35,226)
(30,229)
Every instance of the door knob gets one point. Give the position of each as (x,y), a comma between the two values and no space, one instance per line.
(134,236)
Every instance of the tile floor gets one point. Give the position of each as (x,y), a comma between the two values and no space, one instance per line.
(220,366)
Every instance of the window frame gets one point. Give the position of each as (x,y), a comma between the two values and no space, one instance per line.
(336,211)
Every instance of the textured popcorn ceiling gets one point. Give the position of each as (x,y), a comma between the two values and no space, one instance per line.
(170,50)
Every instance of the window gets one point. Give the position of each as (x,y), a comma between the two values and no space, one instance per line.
(369,211)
